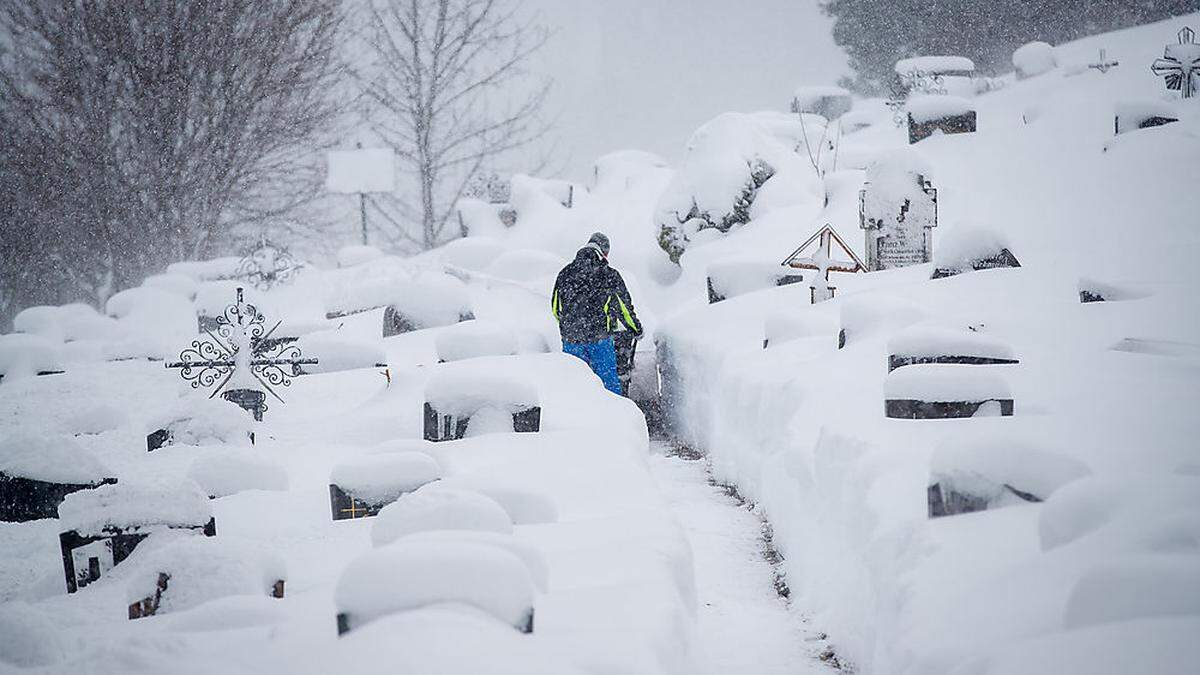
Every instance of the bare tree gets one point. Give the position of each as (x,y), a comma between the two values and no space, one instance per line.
(147,131)
(451,93)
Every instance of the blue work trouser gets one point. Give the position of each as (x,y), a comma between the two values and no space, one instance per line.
(601,357)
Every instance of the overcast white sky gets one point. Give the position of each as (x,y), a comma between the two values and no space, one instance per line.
(645,73)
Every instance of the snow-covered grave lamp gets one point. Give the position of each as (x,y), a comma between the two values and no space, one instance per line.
(266,264)
(817,254)
(1180,64)
(361,171)
(240,355)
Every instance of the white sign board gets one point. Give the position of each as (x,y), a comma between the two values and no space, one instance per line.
(361,170)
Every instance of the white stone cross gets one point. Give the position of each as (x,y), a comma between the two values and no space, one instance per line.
(1180,64)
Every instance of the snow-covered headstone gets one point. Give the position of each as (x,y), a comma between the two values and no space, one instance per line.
(930,114)
(939,391)
(731,278)
(102,526)
(427,301)
(931,344)
(361,487)
(897,209)
(968,249)
(38,472)
(1134,115)
(471,339)
(439,508)
(463,403)
(197,420)
(1034,58)
(827,101)
(968,476)
(937,75)
(176,573)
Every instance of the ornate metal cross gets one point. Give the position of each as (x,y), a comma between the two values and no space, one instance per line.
(1104,65)
(1180,64)
(242,347)
(266,264)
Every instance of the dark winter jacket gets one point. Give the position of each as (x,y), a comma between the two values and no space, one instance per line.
(591,301)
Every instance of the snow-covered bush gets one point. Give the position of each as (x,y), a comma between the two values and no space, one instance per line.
(729,159)
(228,473)
(135,505)
(382,478)
(27,355)
(1034,58)
(411,575)
(436,508)
(470,339)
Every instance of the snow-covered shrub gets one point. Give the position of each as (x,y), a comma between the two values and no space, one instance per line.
(228,473)
(529,554)
(382,478)
(351,256)
(135,505)
(410,575)
(729,159)
(199,420)
(435,508)
(470,339)
(198,569)
(828,101)
(27,355)
(1034,58)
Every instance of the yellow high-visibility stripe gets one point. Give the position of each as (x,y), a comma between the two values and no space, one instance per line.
(607,317)
(555,306)
(628,317)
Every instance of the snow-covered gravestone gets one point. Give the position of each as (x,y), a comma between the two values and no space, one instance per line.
(939,391)
(731,278)
(361,487)
(472,339)
(968,476)
(929,114)
(971,249)
(361,171)
(430,300)
(411,575)
(194,420)
(829,102)
(465,403)
(103,525)
(931,344)
(38,472)
(818,253)
(1133,115)
(1180,64)
(897,211)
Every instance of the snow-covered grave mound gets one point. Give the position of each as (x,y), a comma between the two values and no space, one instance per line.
(935,391)
(361,487)
(523,506)
(530,555)
(335,352)
(973,475)
(467,402)
(940,344)
(409,575)
(172,573)
(969,249)
(480,337)
(792,325)
(38,472)
(198,420)
(28,355)
(228,473)
(427,301)
(731,278)
(827,101)
(435,508)
(66,323)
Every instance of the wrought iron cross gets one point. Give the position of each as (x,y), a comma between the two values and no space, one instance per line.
(241,343)
(1104,66)
(266,264)
(1180,64)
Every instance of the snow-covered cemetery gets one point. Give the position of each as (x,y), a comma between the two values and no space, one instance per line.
(315,357)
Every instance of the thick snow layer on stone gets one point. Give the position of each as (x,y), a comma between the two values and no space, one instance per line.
(384,477)
(926,108)
(893,178)
(50,458)
(462,392)
(436,508)
(935,64)
(807,95)
(523,506)
(790,325)
(349,256)
(201,569)
(470,339)
(945,382)
(133,505)
(196,419)
(173,282)
(431,299)
(868,315)
(1134,588)
(531,555)
(1034,58)
(982,467)
(966,244)
(731,278)
(73,322)
(207,270)
(335,352)
(409,575)
(231,612)
(1130,114)
(95,419)
(27,355)
(928,341)
(228,473)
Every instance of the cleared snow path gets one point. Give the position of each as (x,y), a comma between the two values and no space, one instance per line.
(744,626)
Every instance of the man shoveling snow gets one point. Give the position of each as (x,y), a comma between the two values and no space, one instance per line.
(591,302)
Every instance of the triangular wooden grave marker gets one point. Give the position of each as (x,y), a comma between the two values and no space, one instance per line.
(817,253)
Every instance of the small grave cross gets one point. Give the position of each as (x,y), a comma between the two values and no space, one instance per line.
(1180,64)
(821,258)
(241,346)
(1104,65)
(266,264)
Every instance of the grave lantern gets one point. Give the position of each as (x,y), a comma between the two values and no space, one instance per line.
(817,253)
(239,354)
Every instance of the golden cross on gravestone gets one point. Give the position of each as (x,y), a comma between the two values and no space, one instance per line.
(1180,64)
(354,510)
